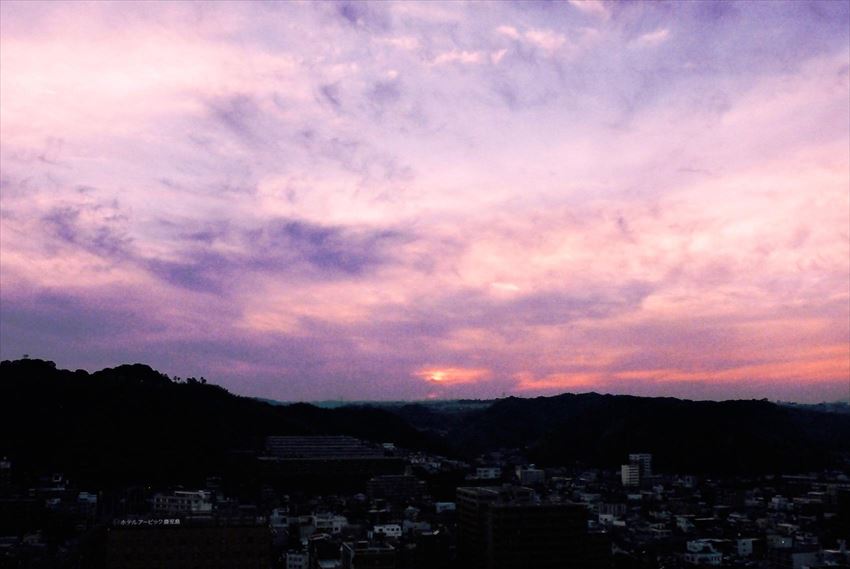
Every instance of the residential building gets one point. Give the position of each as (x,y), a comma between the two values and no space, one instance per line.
(297,560)
(508,528)
(395,487)
(440,507)
(703,552)
(366,555)
(387,530)
(488,473)
(531,476)
(183,502)
(179,544)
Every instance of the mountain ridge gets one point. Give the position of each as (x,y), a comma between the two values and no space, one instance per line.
(133,423)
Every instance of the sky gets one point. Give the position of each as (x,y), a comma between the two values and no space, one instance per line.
(310,201)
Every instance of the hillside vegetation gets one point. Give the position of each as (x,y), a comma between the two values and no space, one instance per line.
(133,424)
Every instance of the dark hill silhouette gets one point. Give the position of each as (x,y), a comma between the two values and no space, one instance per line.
(133,424)
(746,436)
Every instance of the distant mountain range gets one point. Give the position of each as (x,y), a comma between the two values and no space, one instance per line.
(833,407)
(728,437)
(134,424)
(437,404)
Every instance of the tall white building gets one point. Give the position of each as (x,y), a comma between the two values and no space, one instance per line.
(630,475)
(644,462)
(638,469)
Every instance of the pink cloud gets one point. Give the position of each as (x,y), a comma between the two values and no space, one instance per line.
(307,202)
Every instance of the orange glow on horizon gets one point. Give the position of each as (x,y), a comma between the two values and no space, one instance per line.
(452,375)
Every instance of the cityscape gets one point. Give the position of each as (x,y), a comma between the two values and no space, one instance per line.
(366,490)
(424,284)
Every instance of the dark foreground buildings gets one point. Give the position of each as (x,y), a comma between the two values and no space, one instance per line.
(188,544)
(316,462)
(572,518)
(366,555)
(506,528)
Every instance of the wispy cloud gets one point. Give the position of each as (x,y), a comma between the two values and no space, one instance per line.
(458,56)
(596,8)
(653,38)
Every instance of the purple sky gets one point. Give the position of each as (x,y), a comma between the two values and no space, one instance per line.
(412,200)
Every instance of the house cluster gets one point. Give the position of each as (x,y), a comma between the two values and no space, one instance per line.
(379,506)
